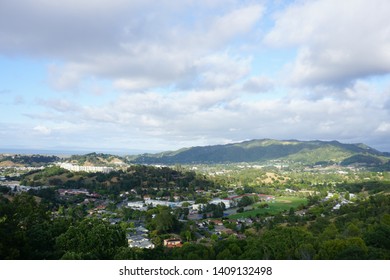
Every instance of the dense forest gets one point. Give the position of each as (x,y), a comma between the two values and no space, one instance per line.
(307,152)
(358,231)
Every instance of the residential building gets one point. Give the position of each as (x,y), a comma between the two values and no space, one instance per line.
(173,243)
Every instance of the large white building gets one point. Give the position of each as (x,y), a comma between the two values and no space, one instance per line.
(154,203)
(90,169)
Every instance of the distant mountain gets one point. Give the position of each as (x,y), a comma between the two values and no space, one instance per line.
(26,160)
(307,152)
(91,159)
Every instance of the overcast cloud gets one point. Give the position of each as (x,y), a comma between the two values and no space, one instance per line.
(149,75)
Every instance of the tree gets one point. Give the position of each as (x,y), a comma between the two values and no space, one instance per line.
(26,230)
(224,255)
(330,232)
(280,243)
(305,252)
(245,201)
(352,231)
(164,221)
(91,239)
(218,210)
(378,236)
(350,248)
(185,204)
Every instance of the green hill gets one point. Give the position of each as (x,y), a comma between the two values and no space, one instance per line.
(96,159)
(306,152)
(27,160)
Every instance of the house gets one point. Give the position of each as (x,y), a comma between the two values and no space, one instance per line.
(139,205)
(155,203)
(139,241)
(141,230)
(337,206)
(216,222)
(114,221)
(173,243)
(290,190)
(266,197)
(220,229)
(197,207)
(217,201)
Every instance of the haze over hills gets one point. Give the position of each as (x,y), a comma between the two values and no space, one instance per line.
(253,151)
(307,152)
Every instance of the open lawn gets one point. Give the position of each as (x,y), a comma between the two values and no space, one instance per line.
(280,204)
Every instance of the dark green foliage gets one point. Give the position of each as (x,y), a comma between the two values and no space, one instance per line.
(361,160)
(378,236)
(145,180)
(91,239)
(343,249)
(359,230)
(192,252)
(370,186)
(164,221)
(245,201)
(26,230)
(281,243)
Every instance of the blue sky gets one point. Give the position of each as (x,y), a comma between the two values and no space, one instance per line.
(119,75)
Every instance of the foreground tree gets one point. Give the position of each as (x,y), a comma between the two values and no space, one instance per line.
(26,231)
(91,239)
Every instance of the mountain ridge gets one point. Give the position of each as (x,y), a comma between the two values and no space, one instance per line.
(260,150)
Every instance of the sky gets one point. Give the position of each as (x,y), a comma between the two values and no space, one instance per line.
(140,75)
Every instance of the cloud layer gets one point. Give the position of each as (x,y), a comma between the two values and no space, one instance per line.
(162,75)
(337,41)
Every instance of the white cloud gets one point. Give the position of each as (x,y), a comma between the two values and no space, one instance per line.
(170,74)
(60,105)
(258,84)
(135,44)
(383,127)
(236,22)
(338,41)
(220,70)
(189,117)
(41,129)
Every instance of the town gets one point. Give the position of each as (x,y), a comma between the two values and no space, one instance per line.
(203,205)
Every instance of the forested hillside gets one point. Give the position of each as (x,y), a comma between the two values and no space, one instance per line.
(306,152)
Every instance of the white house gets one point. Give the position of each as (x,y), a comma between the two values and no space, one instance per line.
(139,241)
(217,201)
(154,203)
(138,205)
(197,207)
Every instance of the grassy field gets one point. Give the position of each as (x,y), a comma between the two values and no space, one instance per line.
(280,204)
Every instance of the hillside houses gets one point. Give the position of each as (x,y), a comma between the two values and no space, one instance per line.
(65,192)
(138,238)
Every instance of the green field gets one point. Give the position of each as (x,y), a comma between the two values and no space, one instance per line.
(280,204)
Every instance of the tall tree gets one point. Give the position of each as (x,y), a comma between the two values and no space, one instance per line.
(91,239)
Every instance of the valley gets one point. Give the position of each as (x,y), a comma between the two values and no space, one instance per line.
(333,208)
